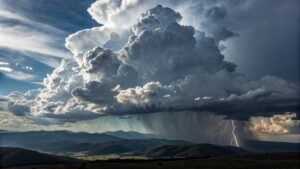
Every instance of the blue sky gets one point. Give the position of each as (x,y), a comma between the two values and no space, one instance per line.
(33,38)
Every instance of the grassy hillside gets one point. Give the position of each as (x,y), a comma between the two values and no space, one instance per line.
(194,150)
(131,146)
(267,146)
(17,156)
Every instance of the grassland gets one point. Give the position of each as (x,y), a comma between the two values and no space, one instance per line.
(267,161)
(84,156)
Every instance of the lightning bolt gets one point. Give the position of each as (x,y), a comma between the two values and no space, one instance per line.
(234,135)
(222,129)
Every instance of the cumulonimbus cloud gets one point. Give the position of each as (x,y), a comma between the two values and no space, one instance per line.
(162,66)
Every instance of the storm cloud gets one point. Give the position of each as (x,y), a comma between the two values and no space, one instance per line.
(163,66)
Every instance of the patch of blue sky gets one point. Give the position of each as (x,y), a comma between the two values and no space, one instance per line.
(32,39)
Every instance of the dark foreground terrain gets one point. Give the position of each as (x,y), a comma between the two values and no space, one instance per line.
(266,161)
(10,156)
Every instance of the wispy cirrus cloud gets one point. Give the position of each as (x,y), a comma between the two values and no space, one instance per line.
(18,75)
(32,36)
(20,33)
(14,74)
(34,39)
(23,39)
(5,69)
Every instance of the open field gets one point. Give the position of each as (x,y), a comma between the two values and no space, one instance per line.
(268,161)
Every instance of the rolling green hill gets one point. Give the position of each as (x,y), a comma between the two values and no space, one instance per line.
(194,150)
(17,156)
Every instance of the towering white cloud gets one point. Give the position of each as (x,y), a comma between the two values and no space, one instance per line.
(162,66)
(85,40)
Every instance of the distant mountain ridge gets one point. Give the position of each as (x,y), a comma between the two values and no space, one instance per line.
(136,144)
(131,134)
(66,142)
(127,144)
(57,142)
(42,137)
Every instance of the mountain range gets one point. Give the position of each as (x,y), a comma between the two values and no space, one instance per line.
(68,143)
(129,144)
